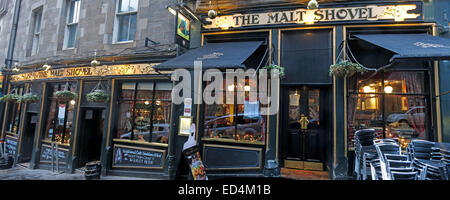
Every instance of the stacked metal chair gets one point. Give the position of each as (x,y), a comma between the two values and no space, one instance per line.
(445,158)
(421,153)
(364,152)
(390,148)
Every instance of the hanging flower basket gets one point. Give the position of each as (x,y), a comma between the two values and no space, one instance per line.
(13,97)
(97,96)
(280,69)
(345,68)
(65,96)
(29,98)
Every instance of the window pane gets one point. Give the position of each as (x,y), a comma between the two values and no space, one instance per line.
(366,84)
(161,121)
(123,27)
(128,5)
(123,5)
(133,5)
(406,116)
(364,111)
(128,90)
(132,30)
(125,120)
(72,29)
(220,119)
(145,91)
(35,47)
(50,127)
(405,82)
(142,121)
(37,26)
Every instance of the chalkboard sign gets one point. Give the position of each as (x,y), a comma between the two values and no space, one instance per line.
(11,146)
(46,154)
(138,157)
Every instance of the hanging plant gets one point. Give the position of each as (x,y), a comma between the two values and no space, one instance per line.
(29,98)
(97,96)
(65,96)
(280,69)
(13,97)
(345,68)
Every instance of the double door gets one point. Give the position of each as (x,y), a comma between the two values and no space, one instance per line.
(304,127)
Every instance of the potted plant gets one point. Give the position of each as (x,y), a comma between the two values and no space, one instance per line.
(273,66)
(29,98)
(12,97)
(65,96)
(97,95)
(345,68)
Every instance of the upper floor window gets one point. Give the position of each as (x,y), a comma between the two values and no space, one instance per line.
(37,16)
(126,15)
(73,13)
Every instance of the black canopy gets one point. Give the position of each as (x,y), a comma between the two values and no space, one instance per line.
(411,46)
(214,55)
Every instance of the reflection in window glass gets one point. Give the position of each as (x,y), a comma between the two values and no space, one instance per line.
(235,122)
(146,115)
(393,103)
(13,119)
(60,115)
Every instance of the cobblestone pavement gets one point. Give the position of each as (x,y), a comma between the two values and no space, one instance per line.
(23,173)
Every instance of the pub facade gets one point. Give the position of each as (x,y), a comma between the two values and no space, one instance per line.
(136,131)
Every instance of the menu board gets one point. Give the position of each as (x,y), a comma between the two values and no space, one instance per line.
(11,146)
(46,154)
(138,157)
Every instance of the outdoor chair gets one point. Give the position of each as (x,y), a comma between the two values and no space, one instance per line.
(363,143)
(386,148)
(404,175)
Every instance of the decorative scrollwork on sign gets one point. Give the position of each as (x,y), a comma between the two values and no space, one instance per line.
(105,70)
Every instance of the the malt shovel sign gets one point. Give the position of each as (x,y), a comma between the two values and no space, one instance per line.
(397,12)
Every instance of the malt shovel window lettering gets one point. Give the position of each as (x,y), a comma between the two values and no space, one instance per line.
(127,156)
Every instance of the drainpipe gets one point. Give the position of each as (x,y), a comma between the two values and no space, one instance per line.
(9,57)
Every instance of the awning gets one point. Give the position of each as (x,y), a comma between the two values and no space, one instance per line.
(214,55)
(411,46)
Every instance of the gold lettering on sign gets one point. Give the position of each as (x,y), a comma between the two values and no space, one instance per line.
(105,70)
(305,16)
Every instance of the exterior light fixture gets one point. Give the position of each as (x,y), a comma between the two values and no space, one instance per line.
(72,102)
(388,89)
(171,10)
(95,62)
(211,13)
(15,68)
(312,4)
(46,67)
